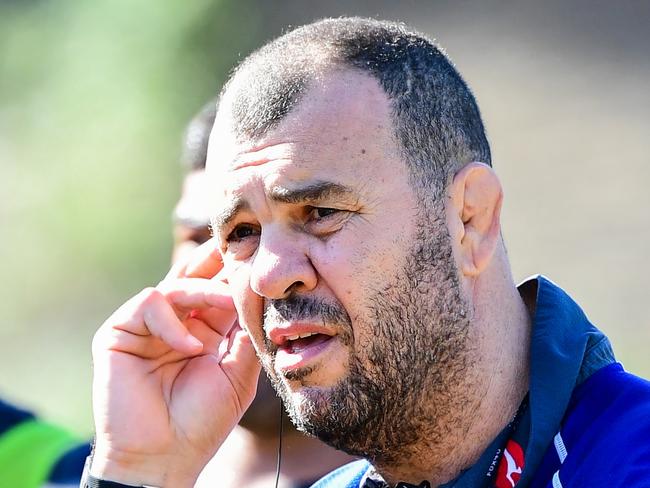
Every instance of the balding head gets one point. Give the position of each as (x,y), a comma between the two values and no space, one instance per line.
(435,118)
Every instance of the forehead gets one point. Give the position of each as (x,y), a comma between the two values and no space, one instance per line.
(340,131)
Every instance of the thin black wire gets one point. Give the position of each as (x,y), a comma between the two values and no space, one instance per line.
(277,469)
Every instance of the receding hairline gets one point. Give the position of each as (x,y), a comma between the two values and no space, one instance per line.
(433,112)
(316,49)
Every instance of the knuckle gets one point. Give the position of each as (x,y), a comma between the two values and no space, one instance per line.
(165,287)
(150,295)
(171,291)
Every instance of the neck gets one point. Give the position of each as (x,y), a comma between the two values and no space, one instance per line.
(232,466)
(495,383)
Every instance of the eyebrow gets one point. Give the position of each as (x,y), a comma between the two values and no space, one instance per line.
(313,192)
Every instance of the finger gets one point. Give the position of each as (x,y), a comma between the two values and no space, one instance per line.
(159,312)
(219,321)
(143,346)
(212,342)
(242,367)
(191,293)
(149,314)
(161,321)
(130,312)
(153,348)
(211,339)
(205,261)
(226,344)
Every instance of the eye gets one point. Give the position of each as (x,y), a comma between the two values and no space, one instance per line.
(241,242)
(242,232)
(319,213)
(324,221)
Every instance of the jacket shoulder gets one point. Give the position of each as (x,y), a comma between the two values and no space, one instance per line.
(603,440)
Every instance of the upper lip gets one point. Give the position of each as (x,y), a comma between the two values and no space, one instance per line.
(281,334)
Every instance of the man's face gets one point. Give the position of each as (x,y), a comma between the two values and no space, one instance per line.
(346,285)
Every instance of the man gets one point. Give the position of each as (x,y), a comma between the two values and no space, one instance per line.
(358,252)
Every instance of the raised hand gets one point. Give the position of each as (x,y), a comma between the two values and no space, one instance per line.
(174,373)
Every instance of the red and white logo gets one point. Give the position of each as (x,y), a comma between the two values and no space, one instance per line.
(511,466)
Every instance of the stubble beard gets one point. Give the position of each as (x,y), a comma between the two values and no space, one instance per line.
(407,388)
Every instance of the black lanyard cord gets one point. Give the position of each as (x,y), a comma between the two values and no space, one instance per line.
(277,469)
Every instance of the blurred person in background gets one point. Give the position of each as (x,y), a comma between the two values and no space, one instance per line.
(34,452)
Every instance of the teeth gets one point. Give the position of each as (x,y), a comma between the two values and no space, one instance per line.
(300,336)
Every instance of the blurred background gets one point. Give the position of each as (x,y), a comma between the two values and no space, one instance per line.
(94,97)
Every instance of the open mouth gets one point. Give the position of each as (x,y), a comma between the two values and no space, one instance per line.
(298,343)
(299,349)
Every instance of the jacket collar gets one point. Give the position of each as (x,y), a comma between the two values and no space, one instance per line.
(565,350)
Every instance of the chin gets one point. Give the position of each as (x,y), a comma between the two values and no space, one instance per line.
(313,400)
(307,407)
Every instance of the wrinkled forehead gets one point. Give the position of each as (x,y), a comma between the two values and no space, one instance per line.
(341,126)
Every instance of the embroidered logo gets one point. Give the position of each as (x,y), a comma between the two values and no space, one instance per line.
(511,466)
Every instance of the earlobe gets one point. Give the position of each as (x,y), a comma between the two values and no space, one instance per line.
(476,195)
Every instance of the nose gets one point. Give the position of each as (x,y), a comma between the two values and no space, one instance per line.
(281,266)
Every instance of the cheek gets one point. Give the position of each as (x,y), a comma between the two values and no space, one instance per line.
(358,269)
(333,259)
(341,264)
(250,306)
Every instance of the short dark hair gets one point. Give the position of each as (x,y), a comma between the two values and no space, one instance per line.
(435,116)
(196,136)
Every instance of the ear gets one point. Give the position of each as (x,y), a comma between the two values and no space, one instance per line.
(473,213)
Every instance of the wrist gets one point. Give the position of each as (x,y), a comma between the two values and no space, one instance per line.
(139,470)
